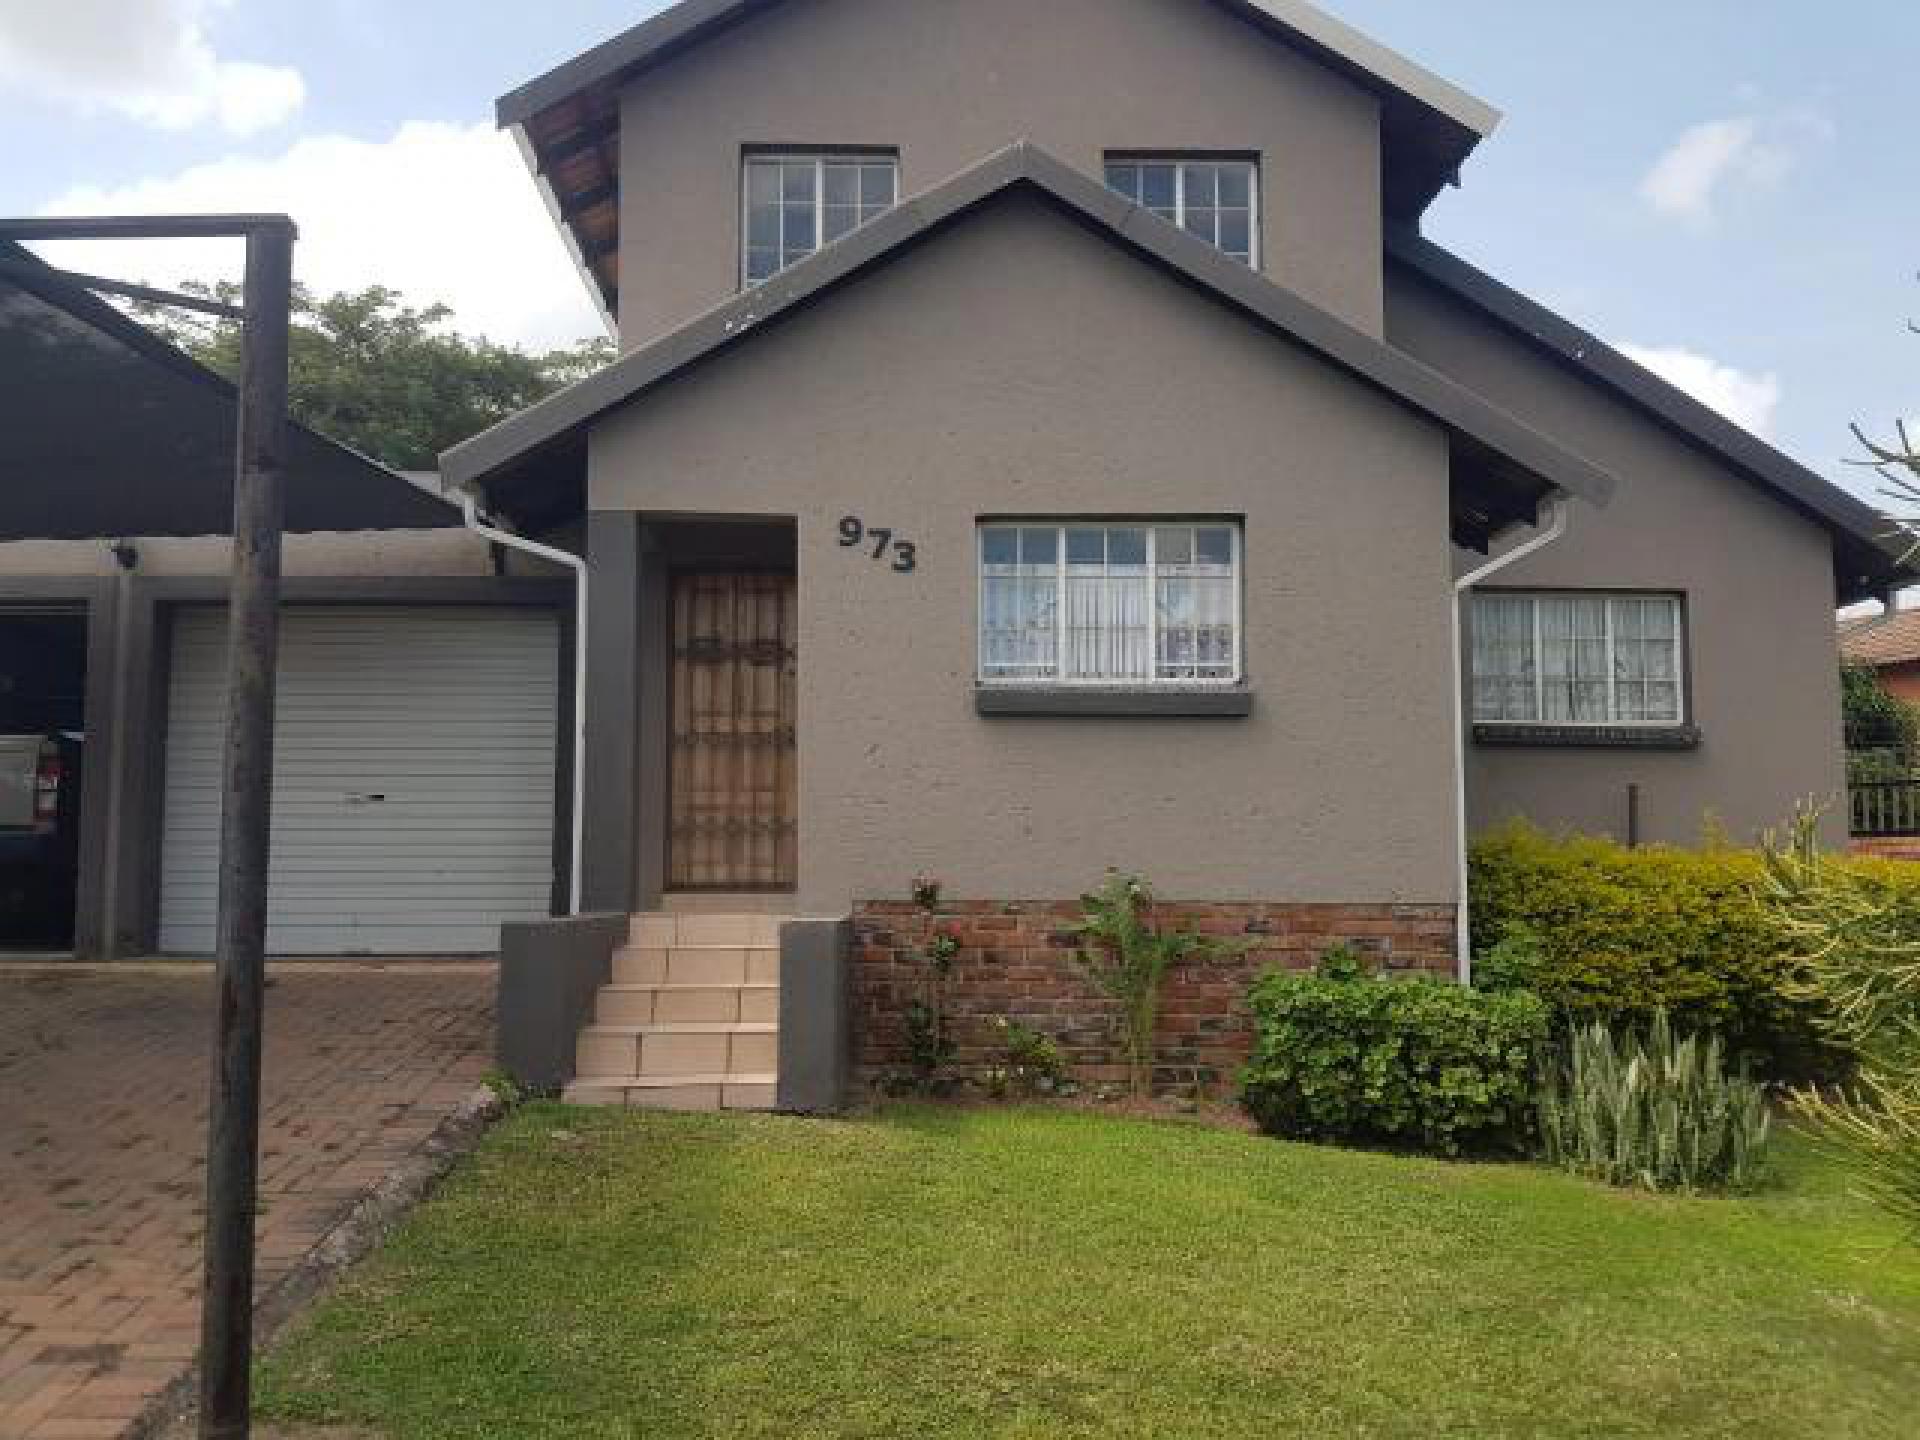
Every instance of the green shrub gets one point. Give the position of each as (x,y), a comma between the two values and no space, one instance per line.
(1034,1063)
(1602,932)
(1856,933)
(1655,1110)
(1415,1064)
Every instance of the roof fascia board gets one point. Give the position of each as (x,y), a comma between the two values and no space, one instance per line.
(690,21)
(1590,356)
(1369,360)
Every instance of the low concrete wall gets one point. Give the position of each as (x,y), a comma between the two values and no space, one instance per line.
(816,1030)
(550,972)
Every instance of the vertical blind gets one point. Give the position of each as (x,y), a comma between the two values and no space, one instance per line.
(1577,659)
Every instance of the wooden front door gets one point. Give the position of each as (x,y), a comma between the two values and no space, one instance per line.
(733,789)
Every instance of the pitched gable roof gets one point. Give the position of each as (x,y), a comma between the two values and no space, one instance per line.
(1868,557)
(1882,640)
(114,432)
(568,119)
(1509,466)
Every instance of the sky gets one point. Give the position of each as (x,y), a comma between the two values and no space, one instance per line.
(1726,189)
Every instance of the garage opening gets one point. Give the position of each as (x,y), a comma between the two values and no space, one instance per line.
(416,756)
(43,737)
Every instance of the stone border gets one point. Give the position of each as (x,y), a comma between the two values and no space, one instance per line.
(368,1219)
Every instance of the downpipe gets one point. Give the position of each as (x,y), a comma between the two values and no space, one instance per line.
(1557,509)
(470,510)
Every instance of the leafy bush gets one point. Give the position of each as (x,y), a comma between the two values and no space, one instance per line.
(1602,932)
(1856,934)
(1419,1064)
(1127,954)
(1653,1110)
(1034,1064)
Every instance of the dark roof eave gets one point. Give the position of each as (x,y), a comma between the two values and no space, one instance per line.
(1860,532)
(554,420)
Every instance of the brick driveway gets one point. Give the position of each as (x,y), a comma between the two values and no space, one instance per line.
(103,1079)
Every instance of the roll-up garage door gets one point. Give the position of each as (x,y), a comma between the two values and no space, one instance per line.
(413,791)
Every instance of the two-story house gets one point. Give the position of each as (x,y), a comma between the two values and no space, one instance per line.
(1043,441)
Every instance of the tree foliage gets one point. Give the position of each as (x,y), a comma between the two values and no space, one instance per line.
(1874,717)
(383,377)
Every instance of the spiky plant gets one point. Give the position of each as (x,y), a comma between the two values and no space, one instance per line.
(1655,1110)
(1128,955)
(1857,942)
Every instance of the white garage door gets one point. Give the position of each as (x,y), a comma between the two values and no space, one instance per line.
(413,790)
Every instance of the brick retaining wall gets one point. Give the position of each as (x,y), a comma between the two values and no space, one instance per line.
(1888,847)
(1017,960)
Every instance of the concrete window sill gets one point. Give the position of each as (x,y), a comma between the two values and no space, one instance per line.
(1588,737)
(1073,701)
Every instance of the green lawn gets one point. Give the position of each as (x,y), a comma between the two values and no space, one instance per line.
(1041,1273)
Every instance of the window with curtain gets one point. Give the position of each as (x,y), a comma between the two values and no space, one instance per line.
(1577,659)
(1217,200)
(1127,604)
(797,204)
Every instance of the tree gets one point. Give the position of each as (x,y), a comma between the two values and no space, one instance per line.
(393,382)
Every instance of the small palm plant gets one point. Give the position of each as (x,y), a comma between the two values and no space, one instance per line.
(1129,956)
(1655,1110)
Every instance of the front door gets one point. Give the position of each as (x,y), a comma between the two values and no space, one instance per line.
(732,786)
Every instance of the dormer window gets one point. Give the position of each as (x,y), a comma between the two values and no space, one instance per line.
(797,203)
(1216,199)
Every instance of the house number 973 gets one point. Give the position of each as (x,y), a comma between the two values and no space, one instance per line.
(856,534)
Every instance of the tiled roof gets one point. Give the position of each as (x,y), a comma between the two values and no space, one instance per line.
(1882,639)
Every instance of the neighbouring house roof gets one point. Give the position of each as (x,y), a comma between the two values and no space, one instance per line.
(1870,555)
(532,465)
(568,120)
(113,432)
(1881,640)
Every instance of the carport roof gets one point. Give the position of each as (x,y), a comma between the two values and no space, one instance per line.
(532,466)
(111,432)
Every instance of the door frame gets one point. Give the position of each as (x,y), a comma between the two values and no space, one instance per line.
(690,572)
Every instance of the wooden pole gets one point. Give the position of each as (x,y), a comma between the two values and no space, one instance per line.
(253,636)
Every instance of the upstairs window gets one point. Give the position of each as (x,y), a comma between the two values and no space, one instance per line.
(797,204)
(1087,603)
(1217,200)
(1577,659)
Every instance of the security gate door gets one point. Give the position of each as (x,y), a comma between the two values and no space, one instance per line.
(732,785)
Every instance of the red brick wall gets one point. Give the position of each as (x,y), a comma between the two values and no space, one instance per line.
(1888,847)
(1017,960)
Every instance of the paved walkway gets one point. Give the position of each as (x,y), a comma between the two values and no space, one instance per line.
(103,1080)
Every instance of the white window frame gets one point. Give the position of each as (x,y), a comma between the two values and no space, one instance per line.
(1681,687)
(1180,160)
(1059,678)
(820,159)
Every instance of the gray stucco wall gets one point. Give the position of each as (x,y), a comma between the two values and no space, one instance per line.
(949,83)
(1758,582)
(1019,365)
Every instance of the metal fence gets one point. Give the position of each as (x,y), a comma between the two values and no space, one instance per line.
(1883,807)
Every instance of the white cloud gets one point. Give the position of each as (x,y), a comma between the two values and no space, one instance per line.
(440,213)
(1747,400)
(150,60)
(1746,151)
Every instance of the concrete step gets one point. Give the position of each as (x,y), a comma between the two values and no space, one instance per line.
(678,1092)
(659,930)
(692,1048)
(666,1004)
(697,965)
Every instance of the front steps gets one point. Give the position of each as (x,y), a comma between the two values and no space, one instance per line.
(691,1020)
